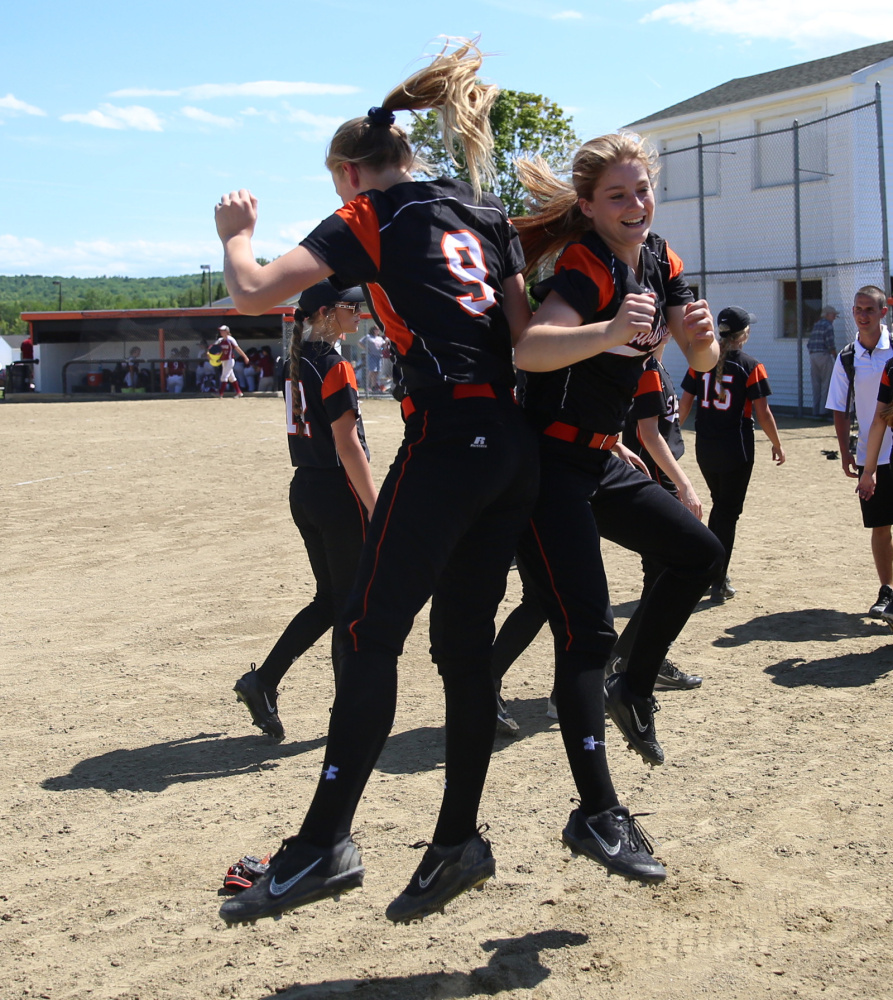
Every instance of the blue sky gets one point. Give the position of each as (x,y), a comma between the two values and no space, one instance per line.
(122,124)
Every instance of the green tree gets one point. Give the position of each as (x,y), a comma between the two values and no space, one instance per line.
(523,124)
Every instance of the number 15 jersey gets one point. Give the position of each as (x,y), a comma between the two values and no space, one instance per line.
(434,262)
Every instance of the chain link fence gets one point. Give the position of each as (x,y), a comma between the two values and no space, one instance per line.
(781,222)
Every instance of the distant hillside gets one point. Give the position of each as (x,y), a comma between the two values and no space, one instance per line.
(37,293)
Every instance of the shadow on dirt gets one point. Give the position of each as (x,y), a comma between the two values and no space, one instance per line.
(194,758)
(513,965)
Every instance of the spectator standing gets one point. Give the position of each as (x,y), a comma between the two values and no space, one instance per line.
(822,352)
(375,345)
(266,370)
(866,359)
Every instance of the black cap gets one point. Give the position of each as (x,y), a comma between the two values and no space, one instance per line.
(326,294)
(733,319)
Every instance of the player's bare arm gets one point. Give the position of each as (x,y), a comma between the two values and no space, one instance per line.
(556,336)
(770,428)
(842,425)
(692,328)
(866,486)
(659,450)
(516,305)
(353,458)
(254,288)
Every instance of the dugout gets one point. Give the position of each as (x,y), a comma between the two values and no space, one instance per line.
(78,351)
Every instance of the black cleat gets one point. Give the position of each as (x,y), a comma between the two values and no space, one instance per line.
(634,717)
(884,597)
(299,874)
(505,724)
(722,592)
(261,701)
(445,872)
(671,678)
(614,839)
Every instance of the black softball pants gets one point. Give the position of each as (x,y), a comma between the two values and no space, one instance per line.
(332,521)
(445,526)
(586,495)
(727,482)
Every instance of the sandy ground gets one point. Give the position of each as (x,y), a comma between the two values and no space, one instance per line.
(140,578)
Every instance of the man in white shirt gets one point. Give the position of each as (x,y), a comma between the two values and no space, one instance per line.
(867,358)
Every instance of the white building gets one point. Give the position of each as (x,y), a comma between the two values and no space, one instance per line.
(730,208)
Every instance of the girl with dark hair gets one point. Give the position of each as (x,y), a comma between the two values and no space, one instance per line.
(442,267)
(617,293)
(332,494)
(728,397)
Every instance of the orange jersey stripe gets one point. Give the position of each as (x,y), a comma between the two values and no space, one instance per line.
(649,382)
(360,216)
(578,258)
(394,328)
(757,375)
(675,263)
(337,378)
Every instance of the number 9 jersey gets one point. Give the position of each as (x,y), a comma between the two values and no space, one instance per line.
(434,262)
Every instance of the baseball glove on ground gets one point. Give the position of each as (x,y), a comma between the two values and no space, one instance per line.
(244,873)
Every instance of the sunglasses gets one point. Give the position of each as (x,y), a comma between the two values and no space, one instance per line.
(354,307)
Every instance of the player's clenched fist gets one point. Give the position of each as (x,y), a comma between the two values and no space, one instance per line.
(635,316)
(236,214)
(697,321)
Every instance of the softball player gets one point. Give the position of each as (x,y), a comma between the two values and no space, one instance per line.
(652,432)
(332,494)
(617,293)
(442,266)
(226,342)
(728,396)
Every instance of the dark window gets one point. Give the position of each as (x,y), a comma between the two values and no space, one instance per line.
(812,306)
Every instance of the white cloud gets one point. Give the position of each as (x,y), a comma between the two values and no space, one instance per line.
(111,116)
(135,258)
(206,118)
(567,15)
(11,103)
(257,88)
(298,230)
(825,20)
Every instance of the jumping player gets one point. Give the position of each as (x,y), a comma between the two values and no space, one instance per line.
(228,349)
(728,397)
(332,494)
(442,266)
(617,293)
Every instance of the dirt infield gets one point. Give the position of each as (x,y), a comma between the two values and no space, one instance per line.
(149,556)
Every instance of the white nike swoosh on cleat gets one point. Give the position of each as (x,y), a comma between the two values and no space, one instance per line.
(270,708)
(425,882)
(639,726)
(606,847)
(278,888)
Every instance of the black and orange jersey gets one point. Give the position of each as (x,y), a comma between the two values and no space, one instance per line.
(723,408)
(328,389)
(595,394)
(433,262)
(655,397)
(885,388)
